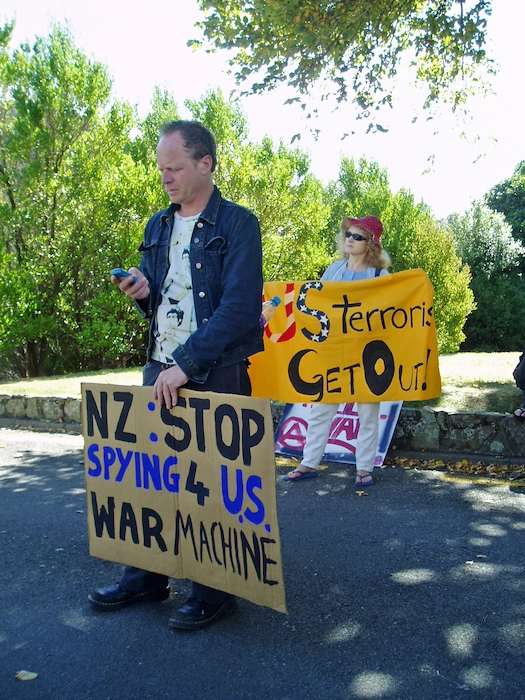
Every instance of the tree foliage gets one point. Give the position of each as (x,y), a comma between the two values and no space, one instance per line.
(432,249)
(65,188)
(484,241)
(355,46)
(508,197)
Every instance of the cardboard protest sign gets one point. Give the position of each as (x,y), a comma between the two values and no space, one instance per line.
(189,493)
(290,435)
(335,342)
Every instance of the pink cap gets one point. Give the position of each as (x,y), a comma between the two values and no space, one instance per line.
(370,224)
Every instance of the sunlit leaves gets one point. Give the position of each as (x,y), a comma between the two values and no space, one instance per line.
(66,193)
(485,242)
(354,46)
(508,197)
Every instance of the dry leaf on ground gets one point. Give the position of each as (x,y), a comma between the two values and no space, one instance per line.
(499,471)
(26,676)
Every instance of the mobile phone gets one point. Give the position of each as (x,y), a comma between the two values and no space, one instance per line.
(121,274)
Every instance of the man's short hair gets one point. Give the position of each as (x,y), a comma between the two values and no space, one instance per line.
(197,139)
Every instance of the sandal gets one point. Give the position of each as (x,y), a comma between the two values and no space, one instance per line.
(519,412)
(359,480)
(302,475)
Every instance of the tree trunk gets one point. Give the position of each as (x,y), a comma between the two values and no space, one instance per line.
(36,353)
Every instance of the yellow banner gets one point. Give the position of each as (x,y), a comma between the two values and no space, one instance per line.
(335,342)
(189,493)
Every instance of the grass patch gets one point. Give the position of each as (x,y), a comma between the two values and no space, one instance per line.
(476,382)
(471,382)
(69,385)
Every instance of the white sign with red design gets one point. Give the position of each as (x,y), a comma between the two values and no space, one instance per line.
(291,431)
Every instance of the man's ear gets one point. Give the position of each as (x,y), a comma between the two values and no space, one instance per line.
(206,164)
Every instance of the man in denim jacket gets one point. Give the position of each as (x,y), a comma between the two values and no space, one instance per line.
(200,286)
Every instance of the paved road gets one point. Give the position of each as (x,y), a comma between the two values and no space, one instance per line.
(414,592)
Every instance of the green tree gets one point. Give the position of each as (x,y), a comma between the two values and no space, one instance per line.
(412,238)
(508,197)
(68,209)
(354,46)
(289,203)
(432,249)
(484,241)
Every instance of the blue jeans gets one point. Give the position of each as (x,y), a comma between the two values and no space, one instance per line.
(233,379)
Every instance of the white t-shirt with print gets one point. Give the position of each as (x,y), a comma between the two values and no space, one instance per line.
(175,320)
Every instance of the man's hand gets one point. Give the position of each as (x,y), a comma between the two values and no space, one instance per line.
(165,389)
(135,290)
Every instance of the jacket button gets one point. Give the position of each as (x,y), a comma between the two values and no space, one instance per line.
(202,294)
(198,266)
(200,224)
(205,320)
(196,240)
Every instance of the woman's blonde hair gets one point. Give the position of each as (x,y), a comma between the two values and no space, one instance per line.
(375,256)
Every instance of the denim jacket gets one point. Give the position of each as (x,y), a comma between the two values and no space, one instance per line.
(226,272)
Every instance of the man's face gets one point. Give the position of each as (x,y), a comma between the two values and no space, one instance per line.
(183,178)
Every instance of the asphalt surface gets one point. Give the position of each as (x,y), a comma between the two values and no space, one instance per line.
(415,591)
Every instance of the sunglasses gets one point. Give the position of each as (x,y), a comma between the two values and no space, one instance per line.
(356,236)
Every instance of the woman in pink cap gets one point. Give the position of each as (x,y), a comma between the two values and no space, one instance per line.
(363,258)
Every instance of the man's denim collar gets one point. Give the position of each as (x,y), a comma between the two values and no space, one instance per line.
(209,214)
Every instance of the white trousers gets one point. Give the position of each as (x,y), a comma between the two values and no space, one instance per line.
(319,422)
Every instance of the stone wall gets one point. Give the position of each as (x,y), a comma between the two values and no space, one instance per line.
(471,433)
(491,434)
(37,408)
